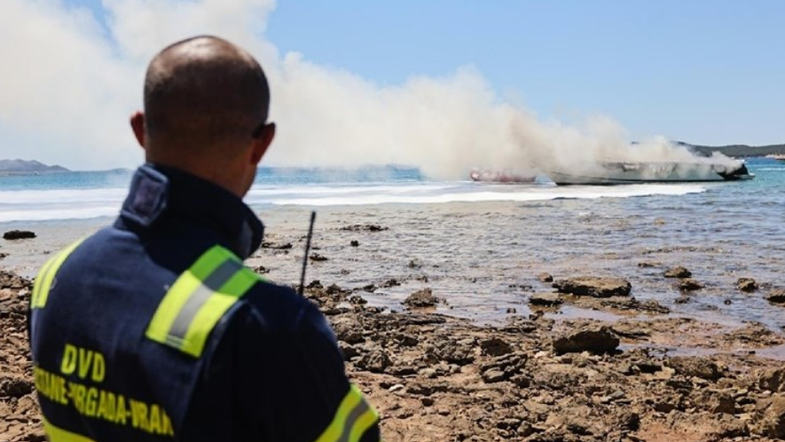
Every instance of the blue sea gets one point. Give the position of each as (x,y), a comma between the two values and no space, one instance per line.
(94,194)
(480,246)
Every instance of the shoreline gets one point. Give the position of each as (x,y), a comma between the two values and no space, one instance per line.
(468,254)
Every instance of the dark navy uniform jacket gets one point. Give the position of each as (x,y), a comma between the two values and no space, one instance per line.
(151,329)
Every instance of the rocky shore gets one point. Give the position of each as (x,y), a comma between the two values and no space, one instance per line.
(435,377)
(19,414)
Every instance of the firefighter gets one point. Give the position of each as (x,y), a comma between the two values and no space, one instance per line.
(152,329)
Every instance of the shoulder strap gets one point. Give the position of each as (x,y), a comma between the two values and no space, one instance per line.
(198,299)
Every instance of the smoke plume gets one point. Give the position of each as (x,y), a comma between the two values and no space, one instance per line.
(70,83)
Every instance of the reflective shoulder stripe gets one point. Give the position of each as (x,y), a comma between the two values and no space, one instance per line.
(352,419)
(56,434)
(43,282)
(198,299)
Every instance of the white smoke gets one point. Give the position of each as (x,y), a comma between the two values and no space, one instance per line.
(69,86)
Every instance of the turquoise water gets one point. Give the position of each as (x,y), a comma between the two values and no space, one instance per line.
(266,176)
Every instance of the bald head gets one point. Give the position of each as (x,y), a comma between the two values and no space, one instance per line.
(203,96)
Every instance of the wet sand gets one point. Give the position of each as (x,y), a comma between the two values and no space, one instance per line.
(483,363)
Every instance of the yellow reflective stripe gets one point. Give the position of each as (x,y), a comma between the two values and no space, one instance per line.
(214,308)
(178,294)
(48,275)
(198,299)
(39,281)
(209,261)
(335,429)
(352,419)
(56,434)
(170,306)
(364,422)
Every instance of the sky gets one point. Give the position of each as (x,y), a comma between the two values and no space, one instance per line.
(443,85)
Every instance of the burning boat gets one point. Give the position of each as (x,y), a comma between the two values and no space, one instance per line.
(653,172)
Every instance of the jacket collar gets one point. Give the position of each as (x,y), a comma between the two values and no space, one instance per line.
(158,190)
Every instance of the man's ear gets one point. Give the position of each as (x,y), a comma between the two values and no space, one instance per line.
(137,125)
(262,142)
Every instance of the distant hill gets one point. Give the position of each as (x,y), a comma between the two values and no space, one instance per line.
(21,166)
(737,150)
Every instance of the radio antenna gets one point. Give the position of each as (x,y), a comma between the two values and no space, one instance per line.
(307,251)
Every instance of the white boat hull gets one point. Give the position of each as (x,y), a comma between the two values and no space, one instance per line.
(636,173)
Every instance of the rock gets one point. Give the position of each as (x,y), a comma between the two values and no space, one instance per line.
(10,280)
(451,351)
(365,228)
(594,286)
(754,334)
(573,417)
(3,255)
(618,394)
(631,330)
(18,234)
(771,417)
(270,245)
(772,380)
(354,243)
(357,300)
(724,427)
(689,285)
(716,402)
(629,421)
(646,265)
(545,277)
(348,332)
(421,299)
(695,366)
(678,272)
(335,289)
(522,287)
(650,306)
(506,367)
(390,283)
(591,338)
(665,404)
(415,263)
(317,257)
(260,270)
(429,373)
(493,376)
(407,340)
(14,386)
(747,285)
(349,351)
(776,296)
(545,299)
(495,347)
(375,361)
